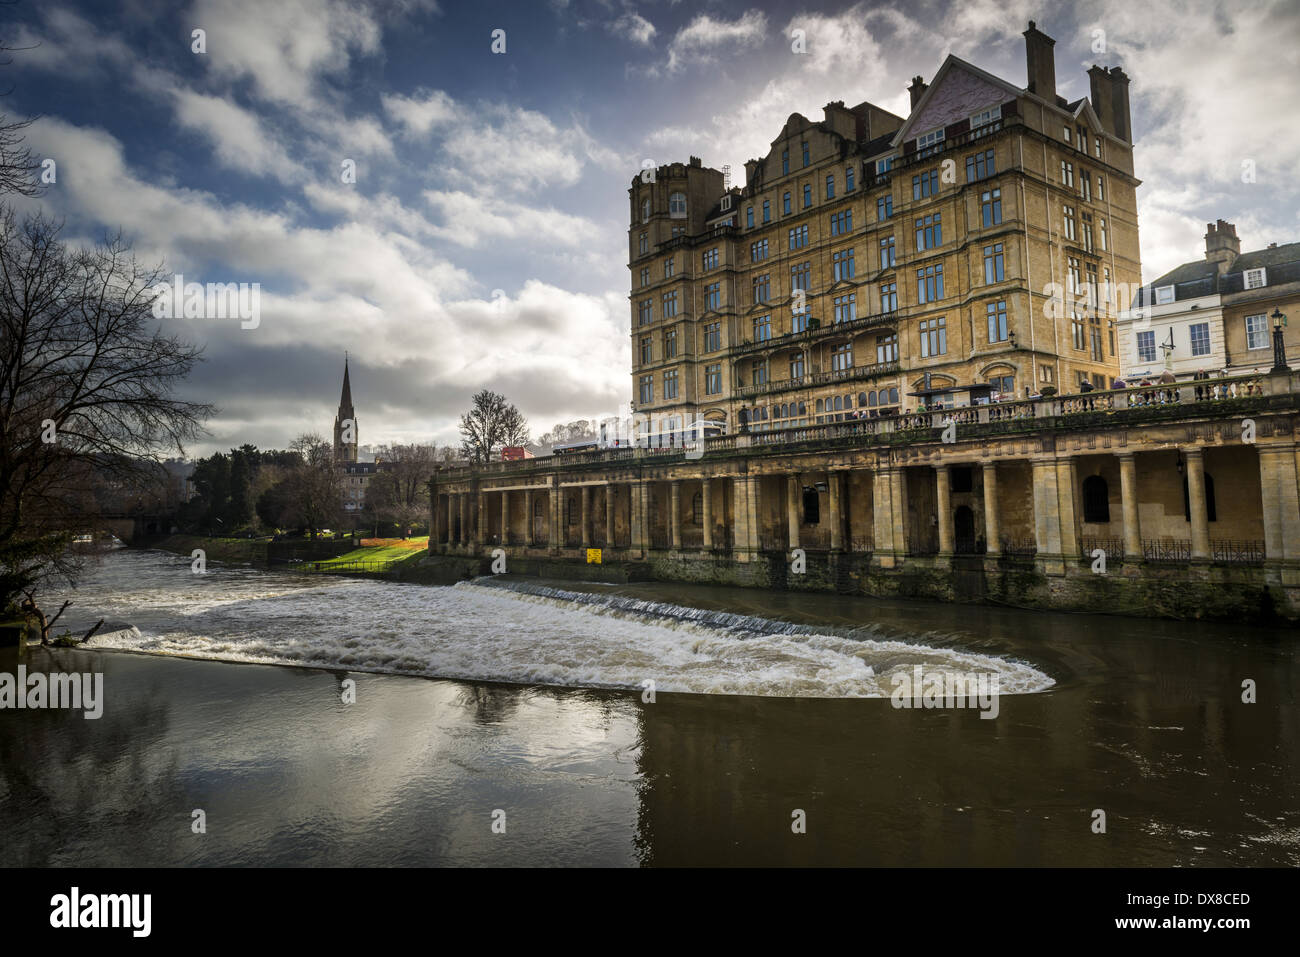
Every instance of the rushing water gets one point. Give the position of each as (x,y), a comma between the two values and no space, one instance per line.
(764,703)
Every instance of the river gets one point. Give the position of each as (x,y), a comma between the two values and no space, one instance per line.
(524,722)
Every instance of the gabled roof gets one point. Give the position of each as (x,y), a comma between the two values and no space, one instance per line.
(951,63)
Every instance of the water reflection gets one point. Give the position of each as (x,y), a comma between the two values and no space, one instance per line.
(1145,722)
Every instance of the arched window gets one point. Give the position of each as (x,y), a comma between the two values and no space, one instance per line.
(677,205)
(871,398)
(1209,499)
(862,399)
(839,403)
(893,396)
(820,406)
(645,210)
(1096,500)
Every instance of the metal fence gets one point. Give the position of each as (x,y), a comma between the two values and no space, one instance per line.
(347,567)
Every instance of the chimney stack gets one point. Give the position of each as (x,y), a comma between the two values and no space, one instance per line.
(1041,63)
(1119,104)
(917,89)
(1221,244)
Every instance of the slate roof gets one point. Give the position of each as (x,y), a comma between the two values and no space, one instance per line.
(1201,278)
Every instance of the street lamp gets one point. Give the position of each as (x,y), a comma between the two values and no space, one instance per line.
(1279,348)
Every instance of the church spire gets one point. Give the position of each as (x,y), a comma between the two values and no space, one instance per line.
(345,400)
(345,423)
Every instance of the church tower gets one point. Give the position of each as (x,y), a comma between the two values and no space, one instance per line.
(345,424)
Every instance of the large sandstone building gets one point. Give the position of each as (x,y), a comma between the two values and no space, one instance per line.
(870,256)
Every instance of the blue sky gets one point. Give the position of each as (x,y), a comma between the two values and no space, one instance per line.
(483,242)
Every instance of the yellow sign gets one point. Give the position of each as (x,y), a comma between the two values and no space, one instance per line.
(593,556)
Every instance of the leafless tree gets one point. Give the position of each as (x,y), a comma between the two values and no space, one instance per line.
(489,425)
(87,377)
(399,492)
(568,432)
(316,485)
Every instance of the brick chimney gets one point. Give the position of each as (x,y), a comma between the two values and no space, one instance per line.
(1221,244)
(917,89)
(1041,63)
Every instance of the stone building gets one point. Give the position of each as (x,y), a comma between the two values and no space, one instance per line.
(1217,313)
(974,240)
(1190,493)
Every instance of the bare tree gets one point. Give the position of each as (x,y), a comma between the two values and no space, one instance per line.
(18,165)
(489,425)
(316,485)
(86,392)
(399,491)
(568,432)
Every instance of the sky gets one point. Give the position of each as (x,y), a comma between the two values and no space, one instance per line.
(482,241)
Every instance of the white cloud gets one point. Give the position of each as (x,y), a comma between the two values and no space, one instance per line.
(703,37)
(634,27)
(238,136)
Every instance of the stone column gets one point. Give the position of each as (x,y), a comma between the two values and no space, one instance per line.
(745,499)
(882,519)
(992,524)
(585,517)
(481,531)
(505,517)
(609,515)
(943,506)
(898,509)
(1196,504)
(555,514)
(706,498)
(529,532)
(1047,517)
(837,521)
(1281,504)
(793,489)
(1066,482)
(640,533)
(675,515)
(464,518)
(1129,502)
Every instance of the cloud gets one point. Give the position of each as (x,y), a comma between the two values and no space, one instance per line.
(238,136)
(634,27)
(369,284)
(701,39)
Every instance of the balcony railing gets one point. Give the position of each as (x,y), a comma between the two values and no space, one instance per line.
(819,331)
(853,373)
(1035,412)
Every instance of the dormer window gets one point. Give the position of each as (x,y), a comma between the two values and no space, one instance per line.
(1164,295)
(884,165)
(928,142)
(1256,279)
(726,202)
(985,117)
(677,205)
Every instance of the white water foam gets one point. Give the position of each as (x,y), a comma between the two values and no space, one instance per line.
(514,632)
